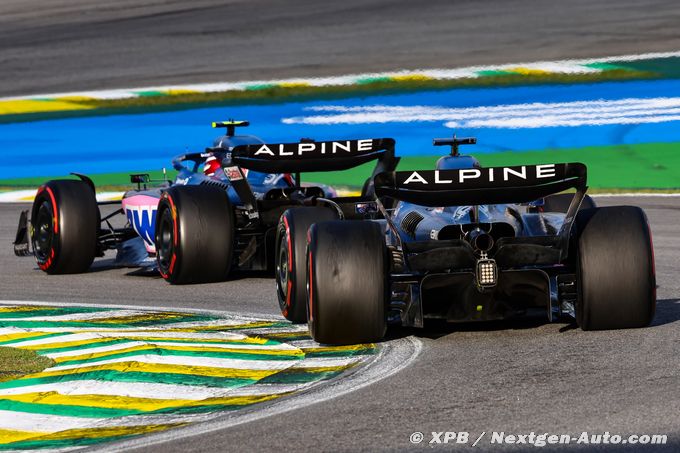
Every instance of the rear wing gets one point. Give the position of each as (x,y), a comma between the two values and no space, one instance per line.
(474,186)
(493,185)
(312,156)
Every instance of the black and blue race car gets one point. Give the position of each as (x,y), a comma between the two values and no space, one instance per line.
(465,243)
(221,212)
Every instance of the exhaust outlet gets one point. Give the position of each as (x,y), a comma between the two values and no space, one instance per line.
(481,240)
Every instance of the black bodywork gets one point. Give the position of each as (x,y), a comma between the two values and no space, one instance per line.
(468,243)
(257,218)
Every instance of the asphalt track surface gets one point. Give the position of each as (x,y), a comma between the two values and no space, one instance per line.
(517,376)
(67,45)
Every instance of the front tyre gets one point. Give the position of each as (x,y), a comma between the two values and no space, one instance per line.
(347,282)
(615,269)
(194,234)
(65,223)
(291,256)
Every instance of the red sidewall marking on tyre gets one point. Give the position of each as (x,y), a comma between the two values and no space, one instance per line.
(289,285)
(175,238)
(55,219)
(55,226)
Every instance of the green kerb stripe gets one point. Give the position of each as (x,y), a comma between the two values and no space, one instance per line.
(340,353)
(184,410)
(150,93)
(113,341)
(109,325)
(39,337)
(172,352)
(38,444)
(45,312)
(494,73)
(81,411)
(368,80)
(606,66)
(104,342)
(66,410)
(134,376)
(265,86)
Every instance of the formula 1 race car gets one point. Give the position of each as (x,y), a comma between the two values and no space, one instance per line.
(205,223)
(466,243)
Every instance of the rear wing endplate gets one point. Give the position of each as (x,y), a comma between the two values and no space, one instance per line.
(312,156)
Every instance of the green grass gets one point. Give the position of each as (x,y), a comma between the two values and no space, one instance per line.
(627,167)
(648,166)
(15,363)
(103,181)
(641,166)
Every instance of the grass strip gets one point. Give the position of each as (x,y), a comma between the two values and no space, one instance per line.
(644,166)
(15,363)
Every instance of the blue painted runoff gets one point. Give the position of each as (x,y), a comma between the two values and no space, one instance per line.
(139,142)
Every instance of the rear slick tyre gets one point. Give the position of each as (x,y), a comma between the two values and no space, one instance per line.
(194,234)
(616,280)
(347,282)
(291,257)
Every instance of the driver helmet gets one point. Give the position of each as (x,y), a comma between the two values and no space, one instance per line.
(211,166)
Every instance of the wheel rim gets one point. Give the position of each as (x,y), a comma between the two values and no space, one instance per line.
(282,270)
(43,233)
(165,241)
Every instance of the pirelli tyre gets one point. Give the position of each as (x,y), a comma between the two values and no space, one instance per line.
(616,282)
(194,234)
(560,202)
(291,256)
(347,282)
(64,221)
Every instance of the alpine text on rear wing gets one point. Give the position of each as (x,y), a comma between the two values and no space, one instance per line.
(492,185)
(309,155)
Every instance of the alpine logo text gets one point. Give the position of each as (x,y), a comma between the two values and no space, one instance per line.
(505,174)
(299,149)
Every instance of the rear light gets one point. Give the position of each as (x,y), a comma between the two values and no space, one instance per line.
(487,272)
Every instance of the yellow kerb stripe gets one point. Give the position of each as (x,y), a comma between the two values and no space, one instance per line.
(122,336)
(37,106)
(412,78)
(132,403)
(355,347)
(22,308)
(150,347)
(134,318)
(161,368)
(9,435)
(22,335)
(178,92)
(293,84)
(528,71)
